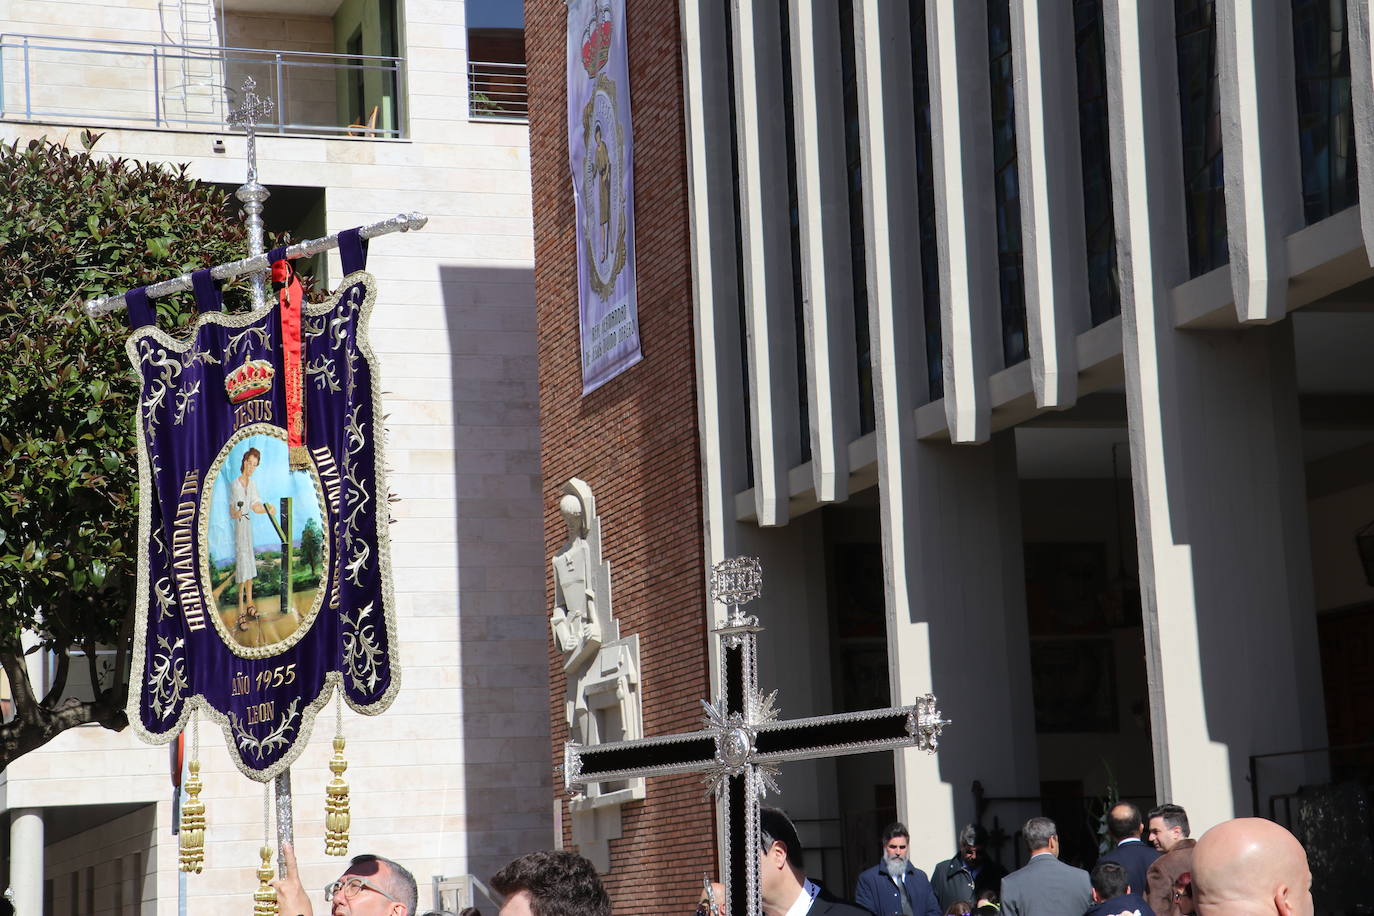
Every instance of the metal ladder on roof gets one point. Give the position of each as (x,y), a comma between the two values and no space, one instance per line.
(194,75)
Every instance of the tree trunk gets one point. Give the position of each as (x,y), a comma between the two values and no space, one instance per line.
(36,723)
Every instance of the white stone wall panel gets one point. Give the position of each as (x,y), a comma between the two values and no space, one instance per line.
(454,332)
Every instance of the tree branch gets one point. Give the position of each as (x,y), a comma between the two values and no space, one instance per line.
(121,670)
(21,688)
(20,737)
(88,646)
(59,679)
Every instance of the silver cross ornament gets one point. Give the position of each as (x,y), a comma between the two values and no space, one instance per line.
(251,110)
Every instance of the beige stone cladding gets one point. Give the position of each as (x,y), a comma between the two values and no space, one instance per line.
(454,779)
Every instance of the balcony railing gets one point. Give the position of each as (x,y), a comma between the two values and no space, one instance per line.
(498,91)
(145,84)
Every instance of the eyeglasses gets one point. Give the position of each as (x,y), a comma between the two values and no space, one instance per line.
(704,909)
(348,888)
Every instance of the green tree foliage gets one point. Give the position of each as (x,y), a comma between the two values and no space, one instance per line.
(312,545)
(76,225)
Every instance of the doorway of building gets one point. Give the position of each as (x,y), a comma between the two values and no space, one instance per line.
(1083,614)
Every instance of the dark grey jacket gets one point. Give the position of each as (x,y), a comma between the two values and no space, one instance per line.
(1046,887)
(952,881)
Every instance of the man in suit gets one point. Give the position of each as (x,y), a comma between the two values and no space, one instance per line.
(895,887)
(1168,826)
(1045,886)
(1113,896)
(1251,867)
(785,889)
(1124,826)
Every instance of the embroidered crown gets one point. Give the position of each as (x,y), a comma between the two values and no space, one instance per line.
(596,40)
(249,380)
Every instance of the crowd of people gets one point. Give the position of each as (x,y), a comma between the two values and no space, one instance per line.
(1243,867)
(1152,867)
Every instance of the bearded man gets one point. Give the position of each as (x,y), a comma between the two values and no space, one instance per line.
(895,887)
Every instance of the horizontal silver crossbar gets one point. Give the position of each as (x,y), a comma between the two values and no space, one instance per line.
(401,222)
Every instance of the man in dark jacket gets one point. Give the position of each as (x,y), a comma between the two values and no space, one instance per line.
(783,886)
(1124,826)
(895,887)
(1169,834)
(1113,896)
(969,873)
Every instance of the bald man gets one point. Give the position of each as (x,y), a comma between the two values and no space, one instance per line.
(712,902)
(1251,867)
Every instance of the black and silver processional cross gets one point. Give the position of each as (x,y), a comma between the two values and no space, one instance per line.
(743,738)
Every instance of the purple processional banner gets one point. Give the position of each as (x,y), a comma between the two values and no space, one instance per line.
(264,580)
(601,158)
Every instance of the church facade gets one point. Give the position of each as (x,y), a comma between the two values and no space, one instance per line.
(1024,344)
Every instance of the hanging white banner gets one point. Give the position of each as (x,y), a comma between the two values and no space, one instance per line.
(601,157)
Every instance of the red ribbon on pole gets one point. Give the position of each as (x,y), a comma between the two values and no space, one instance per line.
(289,294)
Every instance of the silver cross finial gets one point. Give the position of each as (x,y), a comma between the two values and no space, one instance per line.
(252,110)
(734,583)
(252,107)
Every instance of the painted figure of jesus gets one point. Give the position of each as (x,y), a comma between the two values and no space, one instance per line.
(243,502)
(601,167)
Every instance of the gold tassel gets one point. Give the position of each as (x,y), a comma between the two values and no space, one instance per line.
(192,830)
(337,818)
(265,898)
(298,457)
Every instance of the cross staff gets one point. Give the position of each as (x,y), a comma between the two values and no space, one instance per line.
(744,738)
(250,110)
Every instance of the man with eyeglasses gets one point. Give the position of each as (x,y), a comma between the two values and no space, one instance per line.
(712,902)
(370,886)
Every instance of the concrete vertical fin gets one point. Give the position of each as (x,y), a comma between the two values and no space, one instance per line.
(832,370)
(1050,169)
(1362,88)
(1259,142)
(768,289)
(720,413)
(966,211)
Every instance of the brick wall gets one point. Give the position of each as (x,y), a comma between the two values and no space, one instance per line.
(634,440)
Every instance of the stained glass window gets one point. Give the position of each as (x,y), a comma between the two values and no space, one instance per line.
(859,261)
(1104,292)
(739,246)
(1199,100)
(1010,270)
(794,217)
(1326,123)
(925,203)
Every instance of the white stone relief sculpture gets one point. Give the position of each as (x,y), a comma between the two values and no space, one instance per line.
(602,702)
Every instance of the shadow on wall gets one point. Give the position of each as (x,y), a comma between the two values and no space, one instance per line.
(503,634)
